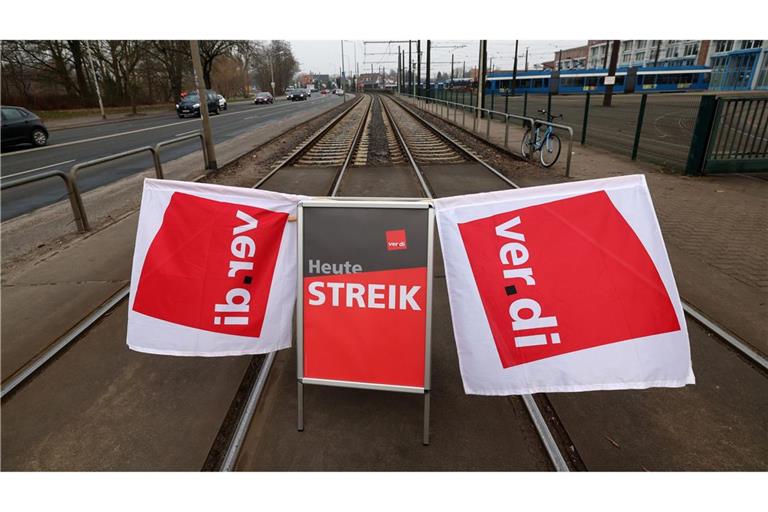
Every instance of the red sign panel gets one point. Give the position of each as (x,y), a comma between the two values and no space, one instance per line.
(233,246)
(564,276)
(364,302)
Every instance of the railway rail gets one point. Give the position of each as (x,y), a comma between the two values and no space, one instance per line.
(329,154)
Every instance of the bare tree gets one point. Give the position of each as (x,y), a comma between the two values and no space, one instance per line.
(176,62)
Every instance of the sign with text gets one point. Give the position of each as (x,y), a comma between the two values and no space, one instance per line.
(213,270)
(562,288)
(365,293)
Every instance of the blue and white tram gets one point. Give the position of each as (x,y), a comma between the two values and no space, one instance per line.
(574,81)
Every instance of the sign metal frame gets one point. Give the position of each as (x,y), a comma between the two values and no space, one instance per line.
(373,203)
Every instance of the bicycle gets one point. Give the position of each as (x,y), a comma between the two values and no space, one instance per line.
(548,144)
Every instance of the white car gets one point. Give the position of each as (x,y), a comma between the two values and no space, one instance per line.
(339,92)
(222,102)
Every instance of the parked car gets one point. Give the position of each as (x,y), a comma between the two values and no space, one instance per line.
(263,97)
(190,104)
(222,102)
(324,92)
(339,92)
(296,95)
(20,126)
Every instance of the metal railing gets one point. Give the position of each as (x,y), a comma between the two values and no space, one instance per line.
(442,108)
(72,191)
(159,165)
(70,178)
(117,156)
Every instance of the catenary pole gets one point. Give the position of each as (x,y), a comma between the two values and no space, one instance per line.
(418,67)
(202,94)
(482,69)
(429,46)
(514,71)
(611,74)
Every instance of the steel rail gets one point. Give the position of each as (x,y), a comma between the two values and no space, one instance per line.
(246,416)
(308,143)
(456,144)
(419,173)
(734,341)
(352,148)
(62,342)
(553,451)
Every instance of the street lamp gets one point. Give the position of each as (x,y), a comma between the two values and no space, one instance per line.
(272,70)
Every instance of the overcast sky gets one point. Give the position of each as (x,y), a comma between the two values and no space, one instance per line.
(324,56)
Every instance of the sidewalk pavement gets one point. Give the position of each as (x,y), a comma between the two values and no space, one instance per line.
(715,228)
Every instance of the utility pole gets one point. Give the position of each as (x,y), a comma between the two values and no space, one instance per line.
(658,49)
(202,94)
(418,67)
(514,71)
(482,69)
(560,60)
(429,47)
(526,58)
(451,69)
(343,80)
(96,80)
(611,78)
(605,57)
(410,69)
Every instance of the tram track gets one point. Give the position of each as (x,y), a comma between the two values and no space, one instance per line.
(331,151)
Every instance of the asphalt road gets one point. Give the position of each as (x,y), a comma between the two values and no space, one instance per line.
(67,147)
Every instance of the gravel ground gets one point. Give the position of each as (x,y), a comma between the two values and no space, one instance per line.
(378,148)
(253,166)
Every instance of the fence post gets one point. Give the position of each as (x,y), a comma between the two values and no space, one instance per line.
(525,104)
(506,131)
(493,95)
(639,127)
(586,117)
(701,132)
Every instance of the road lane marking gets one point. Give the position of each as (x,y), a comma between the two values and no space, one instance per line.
(130,132)
(187,133)
(37,169)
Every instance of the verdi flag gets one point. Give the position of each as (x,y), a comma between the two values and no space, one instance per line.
(214,270)
(562,288)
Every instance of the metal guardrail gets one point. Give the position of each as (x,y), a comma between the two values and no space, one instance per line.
(159,165)
(91,163)
(442,108)
(72,191)
(70,178)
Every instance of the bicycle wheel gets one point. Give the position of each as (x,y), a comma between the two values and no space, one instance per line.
(550,150)
(525,146)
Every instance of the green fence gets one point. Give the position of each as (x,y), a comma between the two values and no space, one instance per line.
(730,136)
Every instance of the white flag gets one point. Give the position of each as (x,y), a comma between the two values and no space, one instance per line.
(562,288)
(214,270)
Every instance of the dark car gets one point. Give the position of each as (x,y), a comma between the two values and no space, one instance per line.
(20,126)
(263,97)
(296,95)
(190,104)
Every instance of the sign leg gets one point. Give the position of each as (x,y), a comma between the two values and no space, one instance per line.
(300,423)
(425,441)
